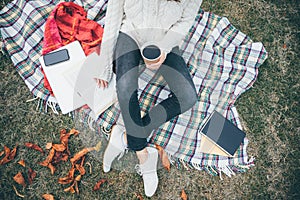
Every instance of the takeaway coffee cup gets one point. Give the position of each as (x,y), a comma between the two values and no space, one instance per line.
(151,53)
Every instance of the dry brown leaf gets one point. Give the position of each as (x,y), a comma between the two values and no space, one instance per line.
(80,154)
(139,196)
(48,159)
(183,195)
(34,146)
(98,184)
(69,178)
(59,147)
(60,156)
(76,186)
(22,162)
(17,193)
(48,196)
(20,179)
(80,169)
(31,175)
(49,145)
(78,178)
(74,132)
(1,153)
(164,157)
(52,168)
(70,189)
(9,155)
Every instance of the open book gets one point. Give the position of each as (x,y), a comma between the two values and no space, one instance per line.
(82,79)
(220,136)
(68,100)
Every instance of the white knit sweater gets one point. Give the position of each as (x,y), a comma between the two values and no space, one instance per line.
(160,21)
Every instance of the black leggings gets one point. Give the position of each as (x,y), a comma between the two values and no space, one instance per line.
(174,70)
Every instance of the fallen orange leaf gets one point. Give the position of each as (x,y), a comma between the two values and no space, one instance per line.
(183,195)
(31,175)
(69,178)
(70,189)
(164,157)
(81,153)
(60,156)
(34,146)
(9,155)
(139,196)
(1,153)
(98,184)
(49,145)
(59,147)
(80,169)
(52,168)
(76,187)
(48,197)
(20,179)
(48,159)
(22,162)
(74,132)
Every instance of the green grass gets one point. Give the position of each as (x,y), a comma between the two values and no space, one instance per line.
(269,112)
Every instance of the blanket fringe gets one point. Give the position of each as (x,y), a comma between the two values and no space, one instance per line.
(1,46)
(222,168)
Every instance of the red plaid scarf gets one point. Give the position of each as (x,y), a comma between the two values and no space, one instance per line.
(68,22)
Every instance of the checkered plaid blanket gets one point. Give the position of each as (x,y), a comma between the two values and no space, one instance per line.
(222,61)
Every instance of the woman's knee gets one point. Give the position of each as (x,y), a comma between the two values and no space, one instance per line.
(187,98)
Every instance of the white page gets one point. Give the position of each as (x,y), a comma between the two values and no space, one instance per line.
(82,79)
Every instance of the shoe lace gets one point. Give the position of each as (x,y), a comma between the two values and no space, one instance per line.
(138,169)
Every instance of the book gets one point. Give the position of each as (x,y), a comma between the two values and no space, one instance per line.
(82,79)
(66,97)
(220,136)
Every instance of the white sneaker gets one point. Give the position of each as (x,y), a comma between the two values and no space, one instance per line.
(148,172)
(116,146)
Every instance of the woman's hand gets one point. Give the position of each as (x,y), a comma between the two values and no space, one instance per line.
(156,66)
(101,83)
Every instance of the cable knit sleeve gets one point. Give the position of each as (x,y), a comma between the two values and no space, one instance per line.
(113,20)
(177,32)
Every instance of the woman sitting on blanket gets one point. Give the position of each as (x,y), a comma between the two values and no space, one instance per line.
(129,25)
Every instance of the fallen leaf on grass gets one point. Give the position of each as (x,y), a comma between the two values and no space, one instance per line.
(31,175)
(70,189)
(17,193)
(20,179)
(74,132)
(59,156)
(164,157)
(49,145)
(98,184)
(183,195)
(22,162)
(81,153)
(34,146)
(1,153)
(48,160)
(69,178)
(48,197)
(59,147)
(139,196)
(52,168)
(76,186)
(9,155)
